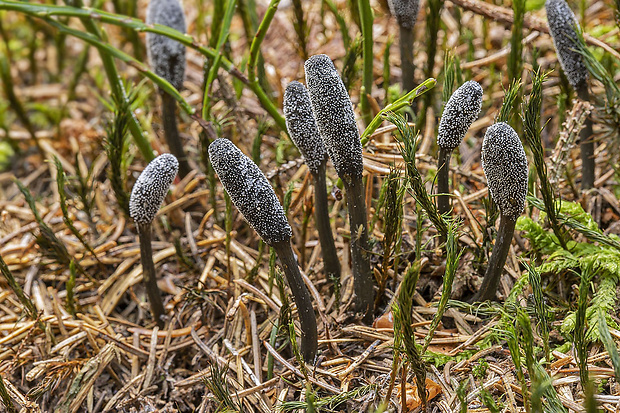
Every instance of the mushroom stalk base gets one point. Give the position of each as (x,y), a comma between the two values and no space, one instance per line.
(171,131)
(490,282)
(362,275)
(301,295)
(587,144)
(443,177)
(321,218)
(148,274)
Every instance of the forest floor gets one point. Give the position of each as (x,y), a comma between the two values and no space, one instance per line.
(93,345)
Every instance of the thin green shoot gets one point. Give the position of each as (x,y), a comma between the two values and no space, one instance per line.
(531,122)
(366,19)
(222,38)
(453,255)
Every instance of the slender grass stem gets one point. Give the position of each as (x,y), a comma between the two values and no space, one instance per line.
(259,37)
(331,263)
(366,19)
(359,248)
(171,131)
(342,23)
(588,162)
(116,84)
(19,292)
(443,176)
(490,282)
(47,11)
(148,274)
(212,73)
(301,295)
(405,100)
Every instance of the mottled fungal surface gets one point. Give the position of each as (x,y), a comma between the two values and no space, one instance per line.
(562,26)
(334,115)
(151,187)
(505,166)
(460,112)
(166,56)
(302,126)
(250,191)
(405,11)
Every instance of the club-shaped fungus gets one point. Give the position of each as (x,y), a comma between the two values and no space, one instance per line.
(335,119)
(302,128)
(406,13)
(505,165)
(563,27)
(167,58)
(254,197)
(147,195)
(461,110)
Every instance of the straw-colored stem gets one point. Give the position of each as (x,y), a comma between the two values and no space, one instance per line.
(301,295)
(490,282)
(587,144)
(148,274)
(360,258)
(331,263)
(171,131)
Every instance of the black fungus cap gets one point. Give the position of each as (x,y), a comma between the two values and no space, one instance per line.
(250,191)
(302,127)
(334,116)
(460,112)
(562,26)
(405,11)
(505,166)
(166,56)
(151,188)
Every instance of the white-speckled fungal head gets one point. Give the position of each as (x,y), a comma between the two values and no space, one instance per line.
(460,112)
(405,11)
(562,25)
(505,166)
(334,116)
(250,191)
(151,188)
(302,127)
(166,56)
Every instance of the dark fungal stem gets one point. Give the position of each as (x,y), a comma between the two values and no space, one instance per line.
(406,57)
(490,282)
(149,276)
(147,195)
(171,131)
(587,143)
(359,248)
(505,166)
(331,263)
(335,120)
(443,175)
(301,295)
(303,130)
(255,198)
